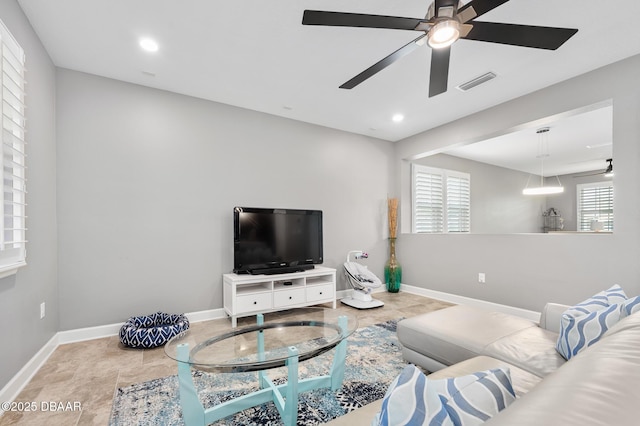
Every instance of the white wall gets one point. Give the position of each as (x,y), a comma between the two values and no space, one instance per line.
(147,181)
(528,270)
(23,333)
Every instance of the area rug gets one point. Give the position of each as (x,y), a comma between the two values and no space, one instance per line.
(373,360)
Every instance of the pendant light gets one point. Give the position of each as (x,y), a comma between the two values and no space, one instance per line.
(543,150)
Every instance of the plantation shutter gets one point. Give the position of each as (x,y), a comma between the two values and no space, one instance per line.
(595,203)
(13,205)
(428,202)
(441,200)
(458,203)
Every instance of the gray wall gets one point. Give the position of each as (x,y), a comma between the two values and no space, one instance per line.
(23,332)
(147,181)
(497,204)
(527,270)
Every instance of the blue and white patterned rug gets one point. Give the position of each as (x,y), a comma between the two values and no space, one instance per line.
(373,361)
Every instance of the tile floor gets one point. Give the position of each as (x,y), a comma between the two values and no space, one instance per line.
(85,375)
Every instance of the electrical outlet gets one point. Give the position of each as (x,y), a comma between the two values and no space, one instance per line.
(481,278)
(42,310)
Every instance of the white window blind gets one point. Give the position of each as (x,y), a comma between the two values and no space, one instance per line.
(441,200)
(458,203)
(595,203)
(13,205)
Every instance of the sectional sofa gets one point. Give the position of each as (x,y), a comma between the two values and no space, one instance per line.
(598,386)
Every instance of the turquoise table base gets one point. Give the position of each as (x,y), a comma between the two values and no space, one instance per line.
(284,396)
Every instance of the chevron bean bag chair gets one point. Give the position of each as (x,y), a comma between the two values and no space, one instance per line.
(150,331)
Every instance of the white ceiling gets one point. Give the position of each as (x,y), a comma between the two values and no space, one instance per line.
(576,143)
(256,54)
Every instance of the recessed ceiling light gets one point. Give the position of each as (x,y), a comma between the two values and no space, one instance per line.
(149,45)
(397,118)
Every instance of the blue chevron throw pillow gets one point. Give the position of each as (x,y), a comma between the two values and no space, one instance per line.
(411,400)
(630,306)
(602,300)
(584,324)
(471,400)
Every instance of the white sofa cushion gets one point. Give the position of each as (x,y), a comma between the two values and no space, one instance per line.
(532,349)
(457,333)
(599,386)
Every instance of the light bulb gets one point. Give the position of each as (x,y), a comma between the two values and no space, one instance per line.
(444,33)
(149,45)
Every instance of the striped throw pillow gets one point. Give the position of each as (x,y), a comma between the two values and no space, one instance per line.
(584,324)
(471,400)
(602,300)
(630,306)
(578,331)
(411,400)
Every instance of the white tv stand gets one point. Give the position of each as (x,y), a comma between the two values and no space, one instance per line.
(246,295)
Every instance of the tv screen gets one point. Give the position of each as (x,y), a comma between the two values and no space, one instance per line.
(271,241)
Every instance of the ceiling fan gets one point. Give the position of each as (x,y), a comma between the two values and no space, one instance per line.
(446,22)
(608,172)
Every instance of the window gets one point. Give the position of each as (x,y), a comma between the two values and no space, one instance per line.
(441,200)
(13,203)
(595,204)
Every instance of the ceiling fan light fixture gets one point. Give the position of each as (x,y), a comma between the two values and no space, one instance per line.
(444,33)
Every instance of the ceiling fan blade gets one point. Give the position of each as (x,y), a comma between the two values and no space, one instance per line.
(341,19)
(477,8)
(382,64)
(439,71)
(520,35)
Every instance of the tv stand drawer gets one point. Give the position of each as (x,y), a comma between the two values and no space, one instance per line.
(320,292)
(253,302)
(288,297)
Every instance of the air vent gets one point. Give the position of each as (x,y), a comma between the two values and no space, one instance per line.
(476,81)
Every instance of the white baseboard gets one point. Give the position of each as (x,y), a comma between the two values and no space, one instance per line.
(341,294)
(458,300)
(462,300)
(11,390)
(90,333)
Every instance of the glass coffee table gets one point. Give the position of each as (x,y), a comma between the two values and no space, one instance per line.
(290,338)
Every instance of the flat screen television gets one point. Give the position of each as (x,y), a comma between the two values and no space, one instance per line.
(274,241)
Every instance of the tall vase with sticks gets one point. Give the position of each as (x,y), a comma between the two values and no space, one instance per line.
(392,269)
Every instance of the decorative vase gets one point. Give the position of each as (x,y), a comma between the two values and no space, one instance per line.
(392,269)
